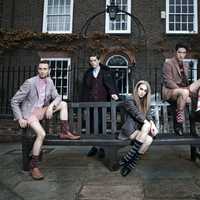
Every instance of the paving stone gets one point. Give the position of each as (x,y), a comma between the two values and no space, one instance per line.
(172,188)
(47,190)
(8,194)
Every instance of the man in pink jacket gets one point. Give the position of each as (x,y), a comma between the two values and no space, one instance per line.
(38,98)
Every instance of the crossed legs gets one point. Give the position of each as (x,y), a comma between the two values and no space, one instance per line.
(182,97)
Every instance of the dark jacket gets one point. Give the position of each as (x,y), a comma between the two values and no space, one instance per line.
(134,118)
(100,88)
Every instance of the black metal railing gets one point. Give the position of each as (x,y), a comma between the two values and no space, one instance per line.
(11,78)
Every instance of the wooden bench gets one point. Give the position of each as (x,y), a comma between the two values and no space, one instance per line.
(79,115)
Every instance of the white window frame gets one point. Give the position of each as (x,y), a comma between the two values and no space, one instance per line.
(195,22)
(121,67)
(44,27)
(107,21)
(65,96)
(194,71)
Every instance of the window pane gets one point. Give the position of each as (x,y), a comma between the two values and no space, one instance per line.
(178,9)
(184,18)
(59,74)
(122,20)
(184,9)
(58,15)
(184,2)
(178,18)
(184,26)
(190,9)
(191,1)
(171,9)
(181,15)
(171,26)
(190,27)
(178,26)
(171,18)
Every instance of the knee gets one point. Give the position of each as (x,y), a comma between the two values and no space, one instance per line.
(148,140)
(184,93)
(63,105)
(41,135)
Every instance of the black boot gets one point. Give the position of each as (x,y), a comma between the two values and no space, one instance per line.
(126,169)
(178,128)
(92,152)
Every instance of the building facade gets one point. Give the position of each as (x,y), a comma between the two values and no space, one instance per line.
(65,32)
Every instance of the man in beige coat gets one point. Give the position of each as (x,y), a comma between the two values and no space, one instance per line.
(176,87)
(38,98)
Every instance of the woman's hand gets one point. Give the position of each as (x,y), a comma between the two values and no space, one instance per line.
(153,130)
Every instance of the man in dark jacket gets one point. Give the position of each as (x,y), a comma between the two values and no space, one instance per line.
(98,86)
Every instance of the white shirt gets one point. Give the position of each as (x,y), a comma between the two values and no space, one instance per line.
(96,71)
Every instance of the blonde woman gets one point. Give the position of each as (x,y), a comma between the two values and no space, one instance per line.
(138,126)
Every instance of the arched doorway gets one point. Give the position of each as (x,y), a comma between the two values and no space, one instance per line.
(119,67)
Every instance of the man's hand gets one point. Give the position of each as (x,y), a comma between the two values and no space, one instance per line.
(22,123)
(115,97)
(49,112)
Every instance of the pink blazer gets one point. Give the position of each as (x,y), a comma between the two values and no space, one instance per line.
(24,100)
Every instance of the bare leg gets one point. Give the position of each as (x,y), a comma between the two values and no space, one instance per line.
(145,146)
(62,107)
(40,135)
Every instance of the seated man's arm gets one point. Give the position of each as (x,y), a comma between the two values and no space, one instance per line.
(18,98)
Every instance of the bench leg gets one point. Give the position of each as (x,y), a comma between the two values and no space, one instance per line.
(193,151)
(26,149)
(111,158)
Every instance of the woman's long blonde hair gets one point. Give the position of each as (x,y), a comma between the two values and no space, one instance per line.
(144,103)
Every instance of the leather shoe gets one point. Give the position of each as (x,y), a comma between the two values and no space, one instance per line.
(36,174)
(92,152)
(125,171)
(101,153)
(69,136)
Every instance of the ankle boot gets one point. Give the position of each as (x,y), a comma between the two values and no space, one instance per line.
(66,133)
(36,174)
(178,129)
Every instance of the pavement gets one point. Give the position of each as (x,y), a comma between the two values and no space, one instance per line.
(164,173)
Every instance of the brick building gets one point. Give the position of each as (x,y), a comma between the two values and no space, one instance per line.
(59,31)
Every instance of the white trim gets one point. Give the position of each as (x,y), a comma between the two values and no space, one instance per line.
(195,22)
(65,96)
(44,26)
(194,72)
(121,67)
(107,21)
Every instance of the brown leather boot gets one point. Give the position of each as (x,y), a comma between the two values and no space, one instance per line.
(36,174)
(66,133)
